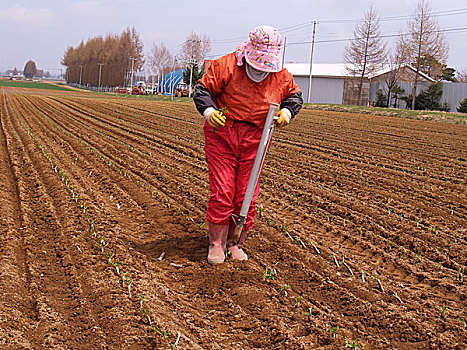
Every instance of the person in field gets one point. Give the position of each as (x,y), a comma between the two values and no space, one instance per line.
(234,97)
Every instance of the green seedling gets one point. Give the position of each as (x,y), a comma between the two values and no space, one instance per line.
(464,322)
(352,345)
(115,264)
(309,313)
(460,276)
(284,289)
(443,312)
(268,274)
(141,300)
(163,334)
(145,312)
(298,300)
(260,212)
(333,331)
(397,297)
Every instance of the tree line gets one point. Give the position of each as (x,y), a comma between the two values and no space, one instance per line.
(114,60)
(107,60)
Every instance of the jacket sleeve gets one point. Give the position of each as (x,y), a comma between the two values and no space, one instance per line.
(202,98)
(293,103)
(293,100)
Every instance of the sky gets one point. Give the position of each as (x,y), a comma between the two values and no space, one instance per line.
(43,30)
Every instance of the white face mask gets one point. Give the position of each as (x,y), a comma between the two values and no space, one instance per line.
(255,74)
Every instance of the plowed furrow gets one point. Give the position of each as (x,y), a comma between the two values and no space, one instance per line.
(67,283)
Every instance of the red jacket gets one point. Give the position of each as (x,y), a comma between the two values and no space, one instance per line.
(244,99)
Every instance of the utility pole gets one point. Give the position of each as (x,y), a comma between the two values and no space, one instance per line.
(132,65)
(311,60)
(173,78)
(100,73)
(192,63)
(283,52)
(80,73)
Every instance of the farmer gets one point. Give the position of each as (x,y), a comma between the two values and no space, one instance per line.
(234,97)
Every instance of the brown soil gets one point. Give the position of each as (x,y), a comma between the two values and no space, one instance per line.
(360,235)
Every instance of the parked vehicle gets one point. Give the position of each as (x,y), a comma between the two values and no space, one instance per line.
(139,88)
(181,90)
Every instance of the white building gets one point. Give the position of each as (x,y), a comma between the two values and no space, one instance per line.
(331,83)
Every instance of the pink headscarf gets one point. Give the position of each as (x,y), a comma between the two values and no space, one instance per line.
(262,50)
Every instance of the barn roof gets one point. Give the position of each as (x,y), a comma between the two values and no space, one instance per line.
(388,69)
(319,69)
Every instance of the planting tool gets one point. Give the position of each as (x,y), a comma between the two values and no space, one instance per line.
(266,138)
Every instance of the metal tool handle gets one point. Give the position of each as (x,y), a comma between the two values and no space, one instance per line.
(266,138)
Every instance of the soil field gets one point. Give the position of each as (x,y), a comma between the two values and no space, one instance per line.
(360,238)
(31,85)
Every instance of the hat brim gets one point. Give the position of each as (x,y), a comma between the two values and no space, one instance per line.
(263,61)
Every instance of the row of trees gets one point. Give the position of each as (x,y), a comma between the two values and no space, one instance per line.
(106,60)
(115,59)
(423,46)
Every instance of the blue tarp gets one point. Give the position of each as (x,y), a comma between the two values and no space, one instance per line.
(170,81)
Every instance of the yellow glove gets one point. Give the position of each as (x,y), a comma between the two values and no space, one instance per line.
(216,119)
(284,117)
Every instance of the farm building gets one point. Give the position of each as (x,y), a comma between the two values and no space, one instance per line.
(331,83)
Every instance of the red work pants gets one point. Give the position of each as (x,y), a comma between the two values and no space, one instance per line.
(230,154)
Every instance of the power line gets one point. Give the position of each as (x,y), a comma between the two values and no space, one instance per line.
(447,30)
(382,19)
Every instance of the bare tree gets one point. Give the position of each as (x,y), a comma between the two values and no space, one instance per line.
(395,64)
(160,59)
(461,75)
(196,47)
(425,41)
(366,52)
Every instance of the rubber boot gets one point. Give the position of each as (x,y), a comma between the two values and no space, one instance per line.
(236,251)
(217,241)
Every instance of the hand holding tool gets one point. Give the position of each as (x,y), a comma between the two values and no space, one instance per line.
(282,118)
